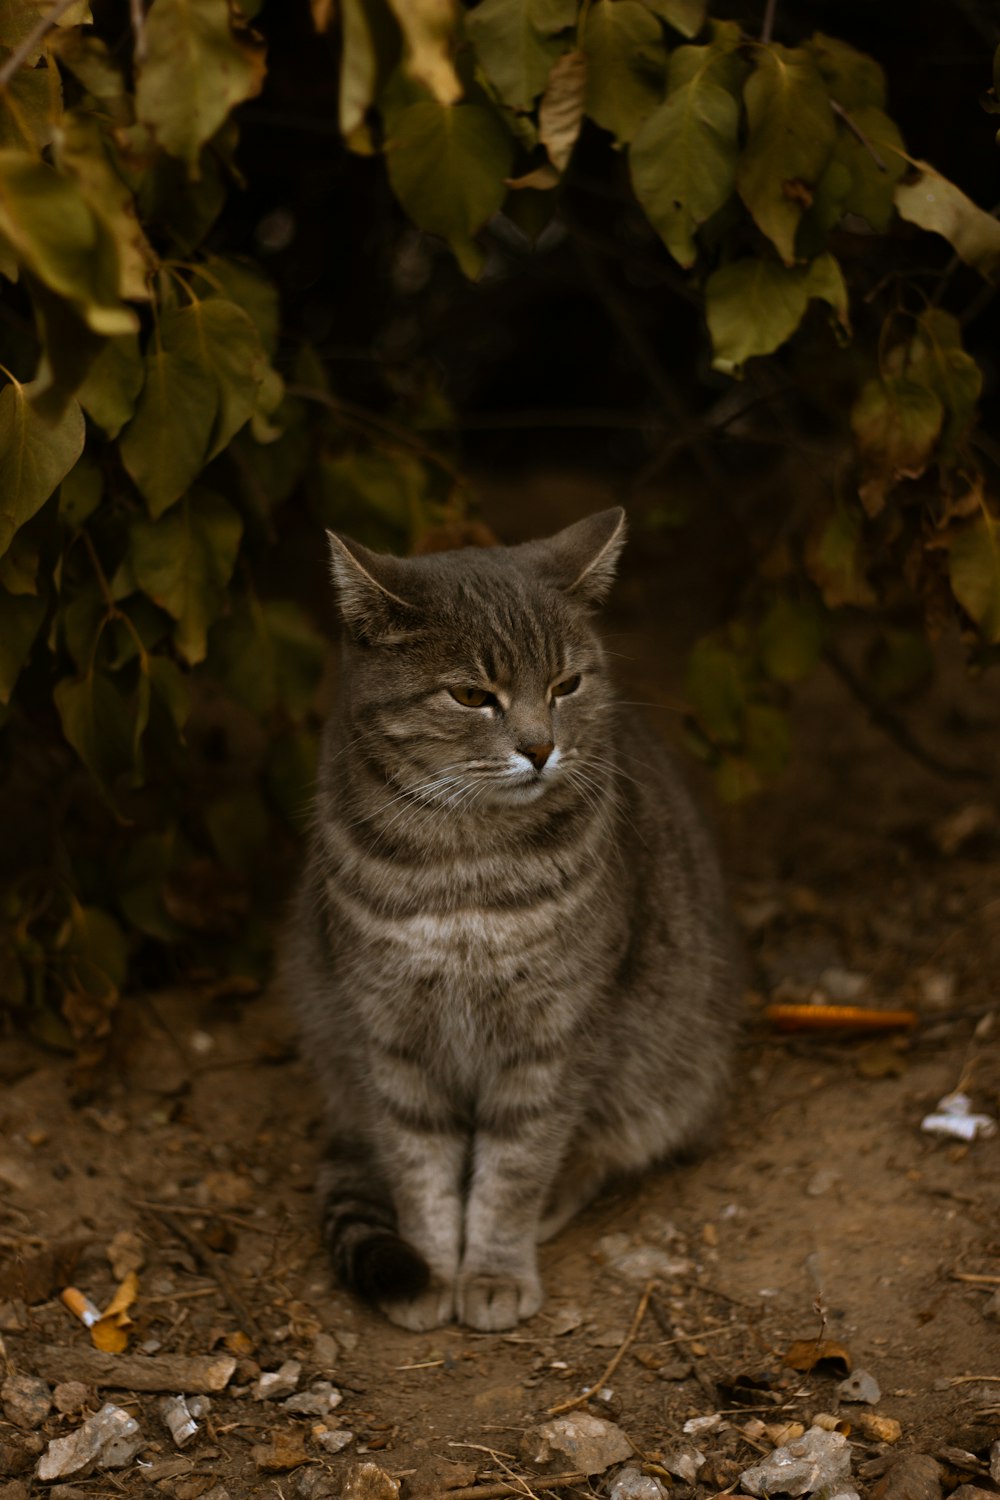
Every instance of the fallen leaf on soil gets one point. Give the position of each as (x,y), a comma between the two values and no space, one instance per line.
(808,1354)
(126,1253)
(286,1450)
(881,1429)
(35,1278)
(368,1482)
(837,1018)
(110,1332)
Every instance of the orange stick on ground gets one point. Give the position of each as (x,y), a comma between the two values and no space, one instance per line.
(837,1018)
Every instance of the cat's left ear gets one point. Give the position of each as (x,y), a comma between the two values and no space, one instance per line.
(582,559)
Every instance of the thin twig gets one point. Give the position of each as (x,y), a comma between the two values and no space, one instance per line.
(138,16)
(767,29)
(970,1276)
(42,27)
(360,416)
(208,1262)
(893,726)
(616,1360)
(502,1487)
(858,133)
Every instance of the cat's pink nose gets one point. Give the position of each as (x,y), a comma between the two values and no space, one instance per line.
(537,754)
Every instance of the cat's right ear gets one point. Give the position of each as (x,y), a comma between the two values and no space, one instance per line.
(365,585)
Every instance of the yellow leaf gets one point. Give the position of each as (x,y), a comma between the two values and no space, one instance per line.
(110,1332)
(560,114)
(428,27)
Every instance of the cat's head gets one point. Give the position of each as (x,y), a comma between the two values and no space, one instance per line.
(475,678)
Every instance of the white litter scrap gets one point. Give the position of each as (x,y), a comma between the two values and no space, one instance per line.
(108,1440)
(953,1117)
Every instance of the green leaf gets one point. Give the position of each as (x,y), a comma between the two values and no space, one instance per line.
(516,42)
(372,495)
(97,949)
(89,60)
(974,567)
(791,136)
(791,639)
(447,166)
(165,446)
(716,690)
(97,723)
(219,338)
(765,737)
(240,829)
(835,562)
(34,456)
(896,422)
(58,237)
(626,65)
(19,566)
(685,16)
(27,117)
(245,284)
(194,72)
(172,688)
(266,654)
(82,153)
(754,306)
(936,204)
(184,562)
(853,78)
(872,188)
(736,780)
(20,621)
(936,359)
(683,158)
(111,386)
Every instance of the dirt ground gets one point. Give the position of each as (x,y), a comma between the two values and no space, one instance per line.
(822,1213)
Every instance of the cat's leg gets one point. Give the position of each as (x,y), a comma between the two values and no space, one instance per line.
(423,1148)
(520,1140)
(426,1172)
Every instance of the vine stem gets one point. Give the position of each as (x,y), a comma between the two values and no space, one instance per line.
(768,27)
(358,416)
(138,16)
(35,35)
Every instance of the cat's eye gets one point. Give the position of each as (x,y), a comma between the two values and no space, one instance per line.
(472,697)
(567,686)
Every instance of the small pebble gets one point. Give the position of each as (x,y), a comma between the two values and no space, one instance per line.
(335,1441)
(70,1397)
(274,1384)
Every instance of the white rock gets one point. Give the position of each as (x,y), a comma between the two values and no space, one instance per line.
(685,1462)
(274,1384)
(632,1484)
(316,1402)
(860,1386)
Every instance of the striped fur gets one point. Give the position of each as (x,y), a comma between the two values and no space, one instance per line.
(514,983)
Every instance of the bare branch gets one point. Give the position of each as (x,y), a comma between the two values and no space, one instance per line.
(35,35)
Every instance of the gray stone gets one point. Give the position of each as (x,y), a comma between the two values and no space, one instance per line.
(26,1400)
(335,1440)
(318,1401)
(684,1462)
(818,1463)
(108,1440)
(860,1386)
(274,1384)
(590,1444)
(70,1396)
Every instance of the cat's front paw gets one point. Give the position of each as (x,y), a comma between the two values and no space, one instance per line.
(493,1302)
(428,1309)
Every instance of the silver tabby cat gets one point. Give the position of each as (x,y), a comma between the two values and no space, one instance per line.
(510,954)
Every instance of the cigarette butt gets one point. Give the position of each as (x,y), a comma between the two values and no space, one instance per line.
(80,1306)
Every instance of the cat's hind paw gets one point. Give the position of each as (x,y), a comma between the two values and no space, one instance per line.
(492,1303)
(425,1310)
